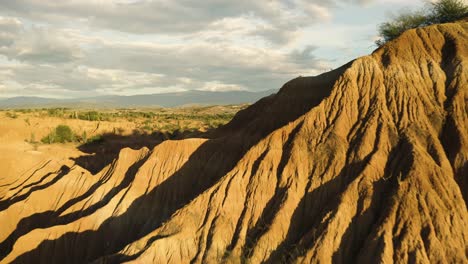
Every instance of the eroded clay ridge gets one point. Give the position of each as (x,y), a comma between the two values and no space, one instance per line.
(366,164)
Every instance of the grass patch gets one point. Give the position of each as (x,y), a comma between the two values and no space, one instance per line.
(61,134)
(11,115)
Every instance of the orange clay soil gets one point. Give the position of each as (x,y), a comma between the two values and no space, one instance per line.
(366,164)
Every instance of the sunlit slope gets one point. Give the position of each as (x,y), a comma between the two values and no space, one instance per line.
(367,163)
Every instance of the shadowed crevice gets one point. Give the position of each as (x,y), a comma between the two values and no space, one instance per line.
(7,245)
(274,204)
(64,170)
(364,223)
(102,152)
(236,236)
(448,65)
(29,177)
(52,218)
(306,222)
(451,136)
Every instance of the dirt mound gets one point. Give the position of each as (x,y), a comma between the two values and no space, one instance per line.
(367,163)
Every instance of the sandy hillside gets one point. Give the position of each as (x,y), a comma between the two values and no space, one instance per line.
(366,163)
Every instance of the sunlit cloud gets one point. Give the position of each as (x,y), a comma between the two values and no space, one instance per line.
(82,48)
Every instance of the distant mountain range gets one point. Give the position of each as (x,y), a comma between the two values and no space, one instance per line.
(186,98)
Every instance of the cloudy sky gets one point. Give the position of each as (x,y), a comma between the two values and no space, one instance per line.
(81,48)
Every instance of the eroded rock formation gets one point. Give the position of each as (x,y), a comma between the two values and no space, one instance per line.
(366,163)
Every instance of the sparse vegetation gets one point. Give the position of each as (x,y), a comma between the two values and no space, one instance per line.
(166,120)
(84,137)
(11,115)
(61,134)
(95,139)
(91,116)
(32,139)
(23,111)
(442,11)
(56,112)
(170,119)
(168,123)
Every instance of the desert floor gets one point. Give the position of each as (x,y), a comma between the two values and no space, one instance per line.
(21,131)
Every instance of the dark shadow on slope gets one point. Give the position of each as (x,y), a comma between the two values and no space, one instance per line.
(312,205)
(448,65)
(294,99)
(106,148)
(43,165)
(4,204)
(146,213)
(206,166)
(122,258)
(7,245)
(273,206)
(365,222)
(451,139)
(451,135)
(306,222)
(309,213)
(237,231)
(51,218)
(463,181)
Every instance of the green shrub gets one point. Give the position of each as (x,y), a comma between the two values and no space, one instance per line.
(90,116)
(49,139)
(61,134)
(64,134)
(95,139)
(147,128)
(11,115)
(444,11)
(84,137)
(403,22)
(56,112)
(441,11)
(24,111)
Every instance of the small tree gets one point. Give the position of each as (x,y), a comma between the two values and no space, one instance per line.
(403,22)
(64,134)
(444,11)
(441,11)
(61,134)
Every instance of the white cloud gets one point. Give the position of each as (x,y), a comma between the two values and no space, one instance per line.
(9,28)
(217,86)
(172,17)
(36,44)
(84,47)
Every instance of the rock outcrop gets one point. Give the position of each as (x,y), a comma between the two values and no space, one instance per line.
(367,163)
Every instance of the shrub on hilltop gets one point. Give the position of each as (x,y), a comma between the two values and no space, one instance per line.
(441,11)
